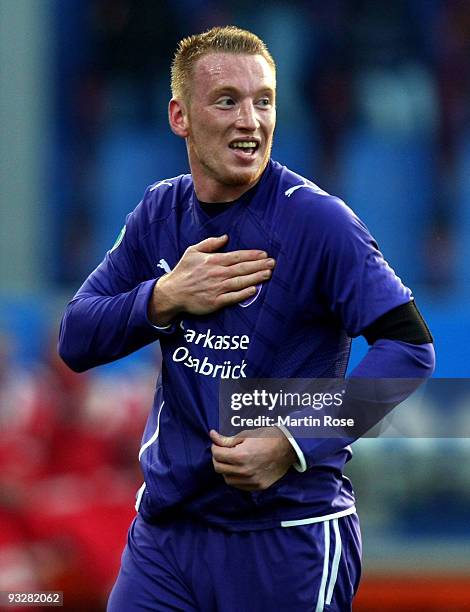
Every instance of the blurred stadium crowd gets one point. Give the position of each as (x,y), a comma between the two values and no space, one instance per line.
(68,476)
(374,105)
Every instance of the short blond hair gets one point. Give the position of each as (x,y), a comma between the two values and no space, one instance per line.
(227,39)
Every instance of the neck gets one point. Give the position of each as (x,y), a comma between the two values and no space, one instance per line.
(210,190)
(220,194)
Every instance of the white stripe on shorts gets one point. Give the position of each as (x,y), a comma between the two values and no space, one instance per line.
(335,564)
(319,519)
(325,593)
(324,576)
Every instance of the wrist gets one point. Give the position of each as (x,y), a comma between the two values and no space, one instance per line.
(291,455)
(287,451)
(163,305)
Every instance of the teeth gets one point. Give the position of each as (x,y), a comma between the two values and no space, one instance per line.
(242,144)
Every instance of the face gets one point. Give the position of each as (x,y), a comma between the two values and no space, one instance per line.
(228,123)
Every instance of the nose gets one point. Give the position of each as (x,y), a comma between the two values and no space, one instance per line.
(247,118)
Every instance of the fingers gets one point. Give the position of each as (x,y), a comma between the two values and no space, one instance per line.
(209,245)
(235,297)
(227,456)
(223,448)
(225,441)
(242,282)
(250,267)
(228,469)
(235,257)
(205,280)
(242,279)
(240,477)
(214,243)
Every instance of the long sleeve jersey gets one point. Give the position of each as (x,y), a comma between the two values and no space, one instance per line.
(330,282)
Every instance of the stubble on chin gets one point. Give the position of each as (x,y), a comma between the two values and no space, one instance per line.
(241,179)
(246,178)
(224,174)
(233,177)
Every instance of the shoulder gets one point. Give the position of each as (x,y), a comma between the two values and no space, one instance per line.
(304,202)
(162,197)
(159,201)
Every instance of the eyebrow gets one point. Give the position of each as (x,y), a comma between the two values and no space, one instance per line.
(229,89)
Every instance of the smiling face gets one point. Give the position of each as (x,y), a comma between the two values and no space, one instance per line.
(228,123)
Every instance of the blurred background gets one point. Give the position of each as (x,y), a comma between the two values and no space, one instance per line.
(373,105)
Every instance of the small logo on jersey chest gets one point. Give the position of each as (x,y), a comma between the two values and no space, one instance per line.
(163,264)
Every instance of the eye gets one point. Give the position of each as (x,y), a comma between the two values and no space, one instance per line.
(264,101)
(225,101)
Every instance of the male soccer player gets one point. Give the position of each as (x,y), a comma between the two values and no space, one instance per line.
(241,269)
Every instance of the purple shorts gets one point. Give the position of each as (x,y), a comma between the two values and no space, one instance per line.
(189,566)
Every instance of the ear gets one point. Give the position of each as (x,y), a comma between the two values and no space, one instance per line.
(178,118)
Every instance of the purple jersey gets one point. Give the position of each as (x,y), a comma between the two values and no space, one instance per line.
(330,282)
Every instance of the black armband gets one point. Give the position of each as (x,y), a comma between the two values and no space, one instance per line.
(402,323)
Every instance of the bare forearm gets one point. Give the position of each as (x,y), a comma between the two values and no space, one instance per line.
(163,305)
